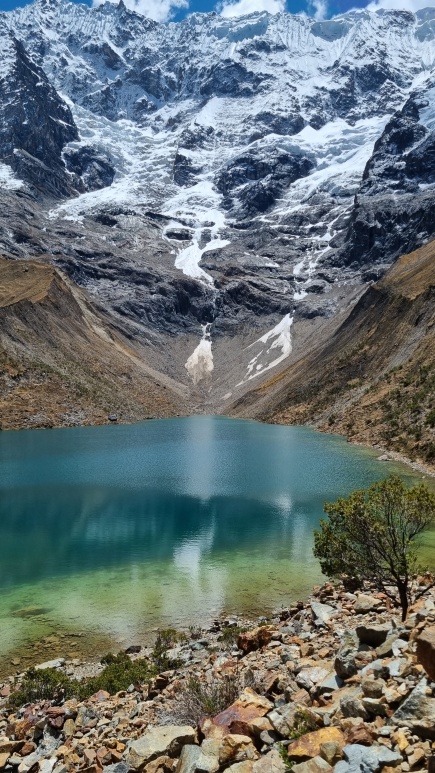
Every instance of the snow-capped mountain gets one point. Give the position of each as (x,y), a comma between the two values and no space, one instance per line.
(226,184)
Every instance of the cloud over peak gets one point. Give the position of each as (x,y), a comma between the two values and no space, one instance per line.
(159,10)
(229,8)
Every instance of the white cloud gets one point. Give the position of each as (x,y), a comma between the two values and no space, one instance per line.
(400,5)
(318,9)
(159,10)
(244,7)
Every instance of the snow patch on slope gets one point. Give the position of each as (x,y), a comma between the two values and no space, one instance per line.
(200,364)
(8,180)
(280,336)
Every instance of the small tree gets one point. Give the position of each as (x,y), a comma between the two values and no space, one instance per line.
(373,535)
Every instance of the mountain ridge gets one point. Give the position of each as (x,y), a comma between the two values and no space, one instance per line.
(223,189)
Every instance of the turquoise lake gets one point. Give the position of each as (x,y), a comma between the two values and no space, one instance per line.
(110,532)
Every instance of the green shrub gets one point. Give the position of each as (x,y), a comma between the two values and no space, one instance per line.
(230,634)
(44,684)
(120,672)
(284,756)
(166,639)
(198,700)
(53,685)
(303,724)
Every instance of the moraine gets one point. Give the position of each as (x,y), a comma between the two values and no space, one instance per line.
(112,531)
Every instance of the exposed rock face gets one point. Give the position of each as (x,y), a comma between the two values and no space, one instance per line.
(186,176)
(35,122)
(426,651)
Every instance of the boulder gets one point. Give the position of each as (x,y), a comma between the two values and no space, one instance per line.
(426,651)
(241,767)
(308,678)
(373,634)
(157,742)
(322,612)
(417,712)
(315,765)
(247,707)
(367,759)
(249,641)
(236,748)
(365,604)
(331,751)
(309,745)
(57,663)
(271,762)
(194,760)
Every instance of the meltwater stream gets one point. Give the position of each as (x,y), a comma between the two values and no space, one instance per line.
(111,531)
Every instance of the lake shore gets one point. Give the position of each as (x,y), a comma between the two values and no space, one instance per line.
(330,679)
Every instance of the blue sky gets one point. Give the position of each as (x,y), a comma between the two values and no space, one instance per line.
(163,10)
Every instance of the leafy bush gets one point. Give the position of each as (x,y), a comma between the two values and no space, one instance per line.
(166,639)
(53,685)
(44,684)
(120,672)
(199,700)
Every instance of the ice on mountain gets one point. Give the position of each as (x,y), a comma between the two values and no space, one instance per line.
(200,364)
(277,338)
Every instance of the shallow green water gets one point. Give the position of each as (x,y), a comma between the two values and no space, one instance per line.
(114,530)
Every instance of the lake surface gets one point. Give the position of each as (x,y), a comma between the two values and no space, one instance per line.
(111,531)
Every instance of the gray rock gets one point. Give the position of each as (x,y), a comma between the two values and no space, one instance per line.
(322,612)
(157,742)
(375,707)
(366,759)
(353,707)
(282,719)
(118,767)
(366,603)
(372,688)
(193,760)
(57,663)
(385,650)
(373,634)
(344,663)
(417,712)
(331,683)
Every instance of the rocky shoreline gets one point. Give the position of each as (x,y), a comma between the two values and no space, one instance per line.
(336,683)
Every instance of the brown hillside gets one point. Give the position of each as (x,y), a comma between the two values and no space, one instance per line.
(61,364)
(374,379)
